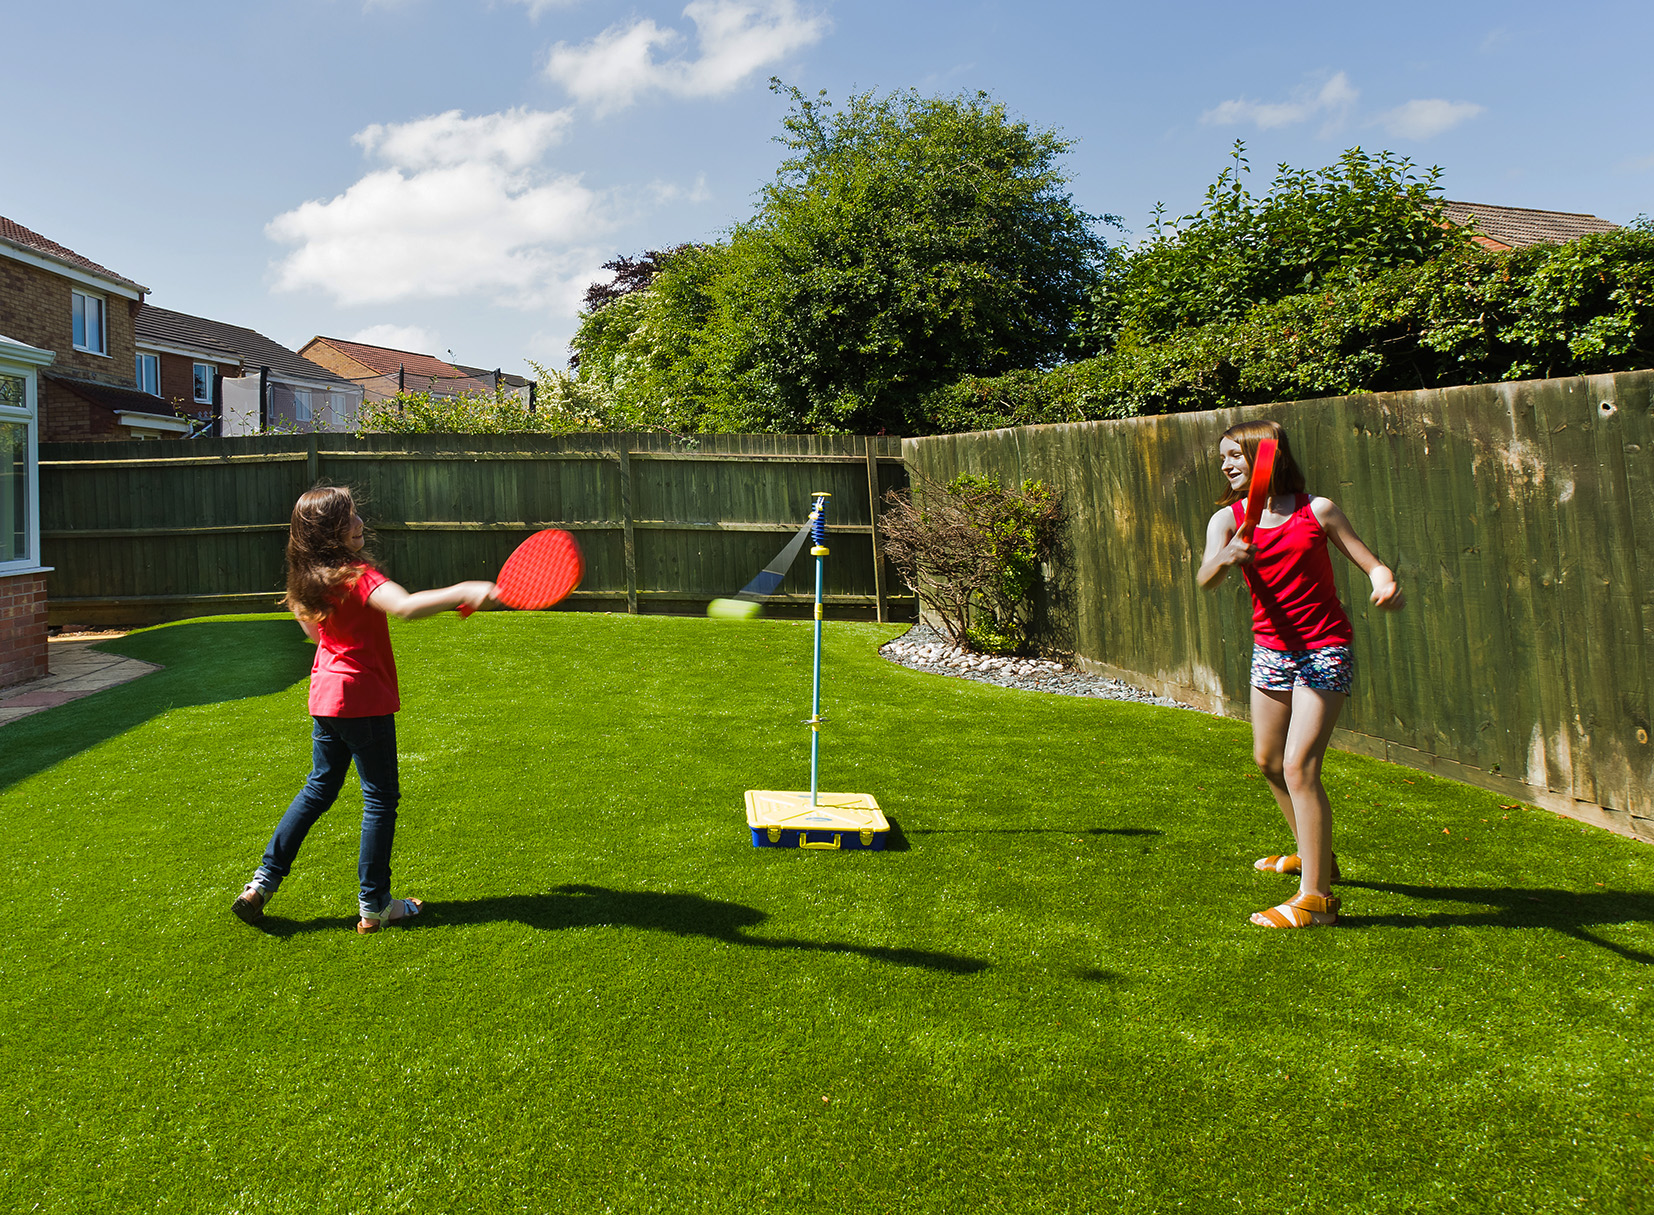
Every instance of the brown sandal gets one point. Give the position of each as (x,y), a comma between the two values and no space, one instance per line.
(1293,864)
(1300,912)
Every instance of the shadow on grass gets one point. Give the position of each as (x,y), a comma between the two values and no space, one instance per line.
(204,661)
(1567,911)
(686,915)
(1041,831)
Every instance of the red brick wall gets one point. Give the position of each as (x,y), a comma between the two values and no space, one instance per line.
(178,382)
(22,628)
(36,308)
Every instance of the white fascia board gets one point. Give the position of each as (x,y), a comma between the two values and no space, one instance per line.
(22,352)
(203,354)
(278,377)
(152,421)
(74,273)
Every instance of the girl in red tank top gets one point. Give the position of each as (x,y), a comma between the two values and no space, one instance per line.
(1301,660)
(341,601)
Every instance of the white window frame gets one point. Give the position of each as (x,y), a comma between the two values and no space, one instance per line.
(154,361)
(302,411)
(195,370)
(23,362)
(78,302)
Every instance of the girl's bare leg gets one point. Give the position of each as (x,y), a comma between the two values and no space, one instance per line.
(1312,716)
(1271,726)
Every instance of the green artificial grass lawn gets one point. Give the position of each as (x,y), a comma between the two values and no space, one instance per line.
(1044,997)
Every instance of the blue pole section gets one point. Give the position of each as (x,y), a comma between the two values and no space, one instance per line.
(818,533)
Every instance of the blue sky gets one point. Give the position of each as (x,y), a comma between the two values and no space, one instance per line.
(449,174)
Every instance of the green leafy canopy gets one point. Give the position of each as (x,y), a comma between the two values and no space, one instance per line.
(905,241)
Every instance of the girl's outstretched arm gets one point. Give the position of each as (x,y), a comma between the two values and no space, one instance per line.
(393,600)
(1386,591)
(1224,548)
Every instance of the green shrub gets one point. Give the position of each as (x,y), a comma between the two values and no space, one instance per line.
(971,551)
(472,413)
(1581,308)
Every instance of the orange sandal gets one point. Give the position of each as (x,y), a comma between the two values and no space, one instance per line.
(1300,912)
(1292,864)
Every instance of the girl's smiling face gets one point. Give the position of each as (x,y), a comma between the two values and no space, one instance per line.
(353,538)
(1232,459)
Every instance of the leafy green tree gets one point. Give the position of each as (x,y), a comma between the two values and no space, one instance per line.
(905,242)
(1322,228)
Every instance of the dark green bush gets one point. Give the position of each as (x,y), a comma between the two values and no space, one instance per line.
(1473,317)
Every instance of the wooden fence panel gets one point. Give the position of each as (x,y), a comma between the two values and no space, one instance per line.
(1519,517)
(139,532)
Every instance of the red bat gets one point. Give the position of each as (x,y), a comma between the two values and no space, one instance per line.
(1257,495)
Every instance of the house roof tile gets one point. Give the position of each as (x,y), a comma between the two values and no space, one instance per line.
(1519,227)
(253,349)
(383,360)
(15,234)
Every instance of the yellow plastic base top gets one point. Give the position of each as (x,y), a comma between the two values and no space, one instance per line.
(837,820)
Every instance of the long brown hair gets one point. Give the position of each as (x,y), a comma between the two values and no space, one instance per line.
(1287,478)
(319,561)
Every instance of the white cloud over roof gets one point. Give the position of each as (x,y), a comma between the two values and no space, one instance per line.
(1330,103)
(734,39)
(464,206)
(1426,117)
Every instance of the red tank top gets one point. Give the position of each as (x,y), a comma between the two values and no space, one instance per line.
(355,671)
(1294,602)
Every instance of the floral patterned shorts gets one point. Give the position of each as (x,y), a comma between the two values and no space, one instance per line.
(1328,669)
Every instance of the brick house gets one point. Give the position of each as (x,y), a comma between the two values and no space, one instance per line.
(208,368)
(54,299)
(383,372)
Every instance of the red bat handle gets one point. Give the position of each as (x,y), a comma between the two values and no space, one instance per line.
(465,609)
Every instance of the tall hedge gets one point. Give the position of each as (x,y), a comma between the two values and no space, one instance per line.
(1472,316)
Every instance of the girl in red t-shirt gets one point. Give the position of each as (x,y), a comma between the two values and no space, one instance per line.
(1301,659)
(341,601)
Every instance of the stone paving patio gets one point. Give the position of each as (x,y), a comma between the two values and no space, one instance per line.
(74,670)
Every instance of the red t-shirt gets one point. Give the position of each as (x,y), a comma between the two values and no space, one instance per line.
(355,672)
(1294,602)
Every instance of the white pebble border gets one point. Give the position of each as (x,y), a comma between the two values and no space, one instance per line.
(924,649)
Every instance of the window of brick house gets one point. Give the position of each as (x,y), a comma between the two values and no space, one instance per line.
(203,383)
(19,538)
(148,373)
(90,332)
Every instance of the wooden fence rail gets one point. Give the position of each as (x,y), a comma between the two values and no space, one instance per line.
(1519,517)
(144,532)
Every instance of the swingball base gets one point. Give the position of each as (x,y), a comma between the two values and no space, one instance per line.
(837,822)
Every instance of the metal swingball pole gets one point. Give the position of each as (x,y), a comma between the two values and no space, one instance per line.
(816,820)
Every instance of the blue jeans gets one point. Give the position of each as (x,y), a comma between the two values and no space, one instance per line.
(371,743)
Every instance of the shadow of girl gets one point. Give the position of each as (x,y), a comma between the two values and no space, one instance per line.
(1566,911)
(581,906)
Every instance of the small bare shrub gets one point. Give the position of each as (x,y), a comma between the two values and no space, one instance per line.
(971,551)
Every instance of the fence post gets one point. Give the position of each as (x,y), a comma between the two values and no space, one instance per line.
(624,454)
(313,463)
(873,518)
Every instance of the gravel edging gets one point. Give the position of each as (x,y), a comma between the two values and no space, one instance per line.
(924,649)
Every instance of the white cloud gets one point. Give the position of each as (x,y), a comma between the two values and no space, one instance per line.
(536,7)
(1426,117)
(516,138)
(1330,102)
(463,207)
(734,39)
(410,338)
